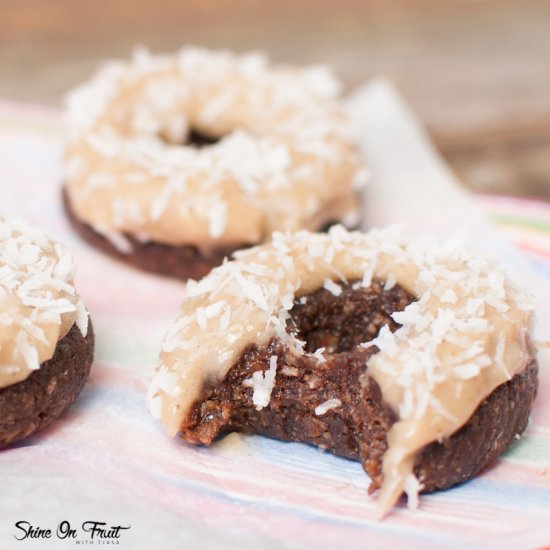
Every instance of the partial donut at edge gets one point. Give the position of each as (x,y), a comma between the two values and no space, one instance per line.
(36,402)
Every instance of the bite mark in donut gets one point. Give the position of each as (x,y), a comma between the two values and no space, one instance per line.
(331,327)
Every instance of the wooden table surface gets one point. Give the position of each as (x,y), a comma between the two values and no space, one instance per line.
(477,72)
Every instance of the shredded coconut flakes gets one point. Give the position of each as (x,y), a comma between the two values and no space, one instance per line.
(327,405)
(36,288)
(262,383)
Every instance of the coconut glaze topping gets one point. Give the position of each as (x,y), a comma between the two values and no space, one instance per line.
(467,333)
(38,301)
(285,159)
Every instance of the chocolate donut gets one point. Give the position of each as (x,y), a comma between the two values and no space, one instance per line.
(172,162)
(412,356)
(46,342)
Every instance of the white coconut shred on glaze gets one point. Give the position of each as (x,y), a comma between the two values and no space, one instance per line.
(466,334)
(285,160)
(38,301)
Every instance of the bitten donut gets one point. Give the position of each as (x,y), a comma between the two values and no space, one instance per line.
(46,341)
(173,162)
(412,357)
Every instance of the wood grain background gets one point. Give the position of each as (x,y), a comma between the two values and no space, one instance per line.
(477,72)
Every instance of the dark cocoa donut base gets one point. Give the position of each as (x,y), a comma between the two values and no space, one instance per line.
(357,429)
(181,262)
(497,421)
(34,403)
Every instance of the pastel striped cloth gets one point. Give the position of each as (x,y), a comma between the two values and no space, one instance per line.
(107,460)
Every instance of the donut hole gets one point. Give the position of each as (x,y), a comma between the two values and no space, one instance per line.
(199,139)
(340,323)
(193,138)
